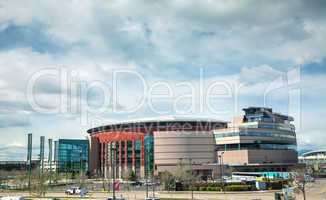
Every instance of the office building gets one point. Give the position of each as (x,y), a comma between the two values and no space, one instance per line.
(73,155)
(261,138)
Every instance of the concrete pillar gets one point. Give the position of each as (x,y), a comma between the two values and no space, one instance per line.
(102,157)
(105,160)
(115,159)
(109,158)
(120,159)
(126,159)
(94,155)
(142,158)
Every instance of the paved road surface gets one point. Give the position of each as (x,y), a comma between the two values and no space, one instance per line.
(315,191)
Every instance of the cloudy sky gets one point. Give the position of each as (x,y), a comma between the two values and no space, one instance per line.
(66,67)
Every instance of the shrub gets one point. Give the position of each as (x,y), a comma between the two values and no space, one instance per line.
(274,185)
(202,188)
(210,188)
(238,188)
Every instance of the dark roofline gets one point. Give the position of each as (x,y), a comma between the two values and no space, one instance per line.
(143,126)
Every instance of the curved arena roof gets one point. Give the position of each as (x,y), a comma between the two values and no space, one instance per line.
(161,123)
(312,153)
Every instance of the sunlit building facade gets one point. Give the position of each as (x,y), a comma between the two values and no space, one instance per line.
(259,137)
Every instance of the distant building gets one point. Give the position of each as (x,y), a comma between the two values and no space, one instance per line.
(315,159)
(73,155)
(49,166)
(17,165)
(261,138)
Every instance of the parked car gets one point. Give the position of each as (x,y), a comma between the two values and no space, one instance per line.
(76,191)
(136,183)
(152,198)
(12,198)
(116,198)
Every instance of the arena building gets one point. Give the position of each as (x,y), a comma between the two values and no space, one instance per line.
(261,140)
(144,145)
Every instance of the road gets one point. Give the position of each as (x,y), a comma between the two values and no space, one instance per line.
(182,195)
(315,191)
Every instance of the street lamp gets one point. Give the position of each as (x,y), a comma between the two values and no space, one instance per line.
(217,160)
(221,169)
(191,176)
(147,167)
(113,171)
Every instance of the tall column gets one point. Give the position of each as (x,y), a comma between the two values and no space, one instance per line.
(109,156)
(120,159)
(102,157)
(126,159)
(105,160)
(115,159)
(142,156)
(133,156)
(94,163)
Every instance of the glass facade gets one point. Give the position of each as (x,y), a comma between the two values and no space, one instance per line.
(263,125)
(73,155)
(260,129)
(256,134)
(249,146)
(149,154)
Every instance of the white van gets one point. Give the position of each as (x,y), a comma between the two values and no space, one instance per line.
(12,198)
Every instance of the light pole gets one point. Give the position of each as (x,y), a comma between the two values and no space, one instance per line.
(217,160)
(147,169)
(190,178)
(80,162)
(113,170)
(221,169)
(153,182)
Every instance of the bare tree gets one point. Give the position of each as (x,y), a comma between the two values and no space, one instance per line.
(167,179)
(299,179)
(39,182)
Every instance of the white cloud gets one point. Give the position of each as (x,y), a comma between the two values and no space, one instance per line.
(250,43)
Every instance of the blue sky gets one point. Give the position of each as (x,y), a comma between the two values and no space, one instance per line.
(258,53)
